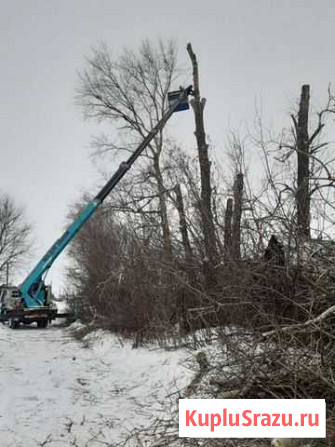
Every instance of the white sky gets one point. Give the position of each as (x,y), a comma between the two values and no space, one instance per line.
(247,50)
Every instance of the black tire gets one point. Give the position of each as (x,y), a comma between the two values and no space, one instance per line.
(13,324)
(42,324)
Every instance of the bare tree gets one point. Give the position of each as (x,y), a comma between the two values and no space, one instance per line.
(14,237)
(130,93)
(312,171)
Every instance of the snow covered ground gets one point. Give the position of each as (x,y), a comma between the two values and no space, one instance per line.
(56,391)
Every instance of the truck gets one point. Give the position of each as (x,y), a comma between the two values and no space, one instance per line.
(31,301)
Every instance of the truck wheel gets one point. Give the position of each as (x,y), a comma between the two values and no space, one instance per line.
(13,324)
(42,324)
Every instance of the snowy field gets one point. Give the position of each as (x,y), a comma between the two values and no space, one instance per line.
(56,391)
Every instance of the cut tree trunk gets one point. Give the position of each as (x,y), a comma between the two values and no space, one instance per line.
(303,193)
(237,215)
(228,229)
(208,228)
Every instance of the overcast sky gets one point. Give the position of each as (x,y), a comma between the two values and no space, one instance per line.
(248,50)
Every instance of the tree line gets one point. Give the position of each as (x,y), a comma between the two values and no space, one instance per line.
(184,239)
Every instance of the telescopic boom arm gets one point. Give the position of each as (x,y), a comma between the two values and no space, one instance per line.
(32,288)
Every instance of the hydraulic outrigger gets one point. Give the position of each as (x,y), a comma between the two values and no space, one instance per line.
(31,301)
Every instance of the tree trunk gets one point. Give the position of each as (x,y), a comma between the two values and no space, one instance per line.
(302,194)
(186,299)
(228,229)
(167,245)
(237,215)
(183,223)
(208,228)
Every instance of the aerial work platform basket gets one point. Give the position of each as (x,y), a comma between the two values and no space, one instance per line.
(183,105)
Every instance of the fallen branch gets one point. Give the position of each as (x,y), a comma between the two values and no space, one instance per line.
(327,313)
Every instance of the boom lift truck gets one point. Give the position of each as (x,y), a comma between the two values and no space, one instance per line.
(31,301)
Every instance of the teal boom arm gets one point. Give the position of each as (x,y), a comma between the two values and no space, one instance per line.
(32,288)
